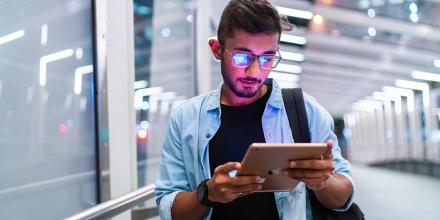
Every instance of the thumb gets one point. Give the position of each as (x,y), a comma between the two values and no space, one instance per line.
(328,152)
(228,167)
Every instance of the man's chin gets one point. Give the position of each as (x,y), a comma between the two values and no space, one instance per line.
(246,92)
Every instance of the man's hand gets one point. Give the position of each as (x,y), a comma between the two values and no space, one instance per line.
(224,188)
(314,173)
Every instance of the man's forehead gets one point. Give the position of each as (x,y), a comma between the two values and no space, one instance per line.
(253,42)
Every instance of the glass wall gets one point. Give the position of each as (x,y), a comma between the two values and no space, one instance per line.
(47,132)
(165,73)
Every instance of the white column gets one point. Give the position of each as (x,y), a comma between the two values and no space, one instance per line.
(203,53)
(120,97)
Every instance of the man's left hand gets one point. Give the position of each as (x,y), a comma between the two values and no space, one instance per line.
(313,172)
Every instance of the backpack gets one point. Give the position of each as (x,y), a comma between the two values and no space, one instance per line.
(297,115)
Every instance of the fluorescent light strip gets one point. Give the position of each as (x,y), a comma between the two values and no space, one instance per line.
(141,93)
(411,84)
(437,63)
(424,87)
(284,76)
(384,97)
(292,56)
(426,76)
(288,68)
(287,38)
(79,72)
(44,60)
(402,92)
(12,36)
(44,30)
(140,84)
(295,13)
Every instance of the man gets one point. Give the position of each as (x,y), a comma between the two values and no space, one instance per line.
(209,134)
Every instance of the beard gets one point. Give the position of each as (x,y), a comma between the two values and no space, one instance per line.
(244,92)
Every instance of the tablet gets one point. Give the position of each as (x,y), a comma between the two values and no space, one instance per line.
(269,160)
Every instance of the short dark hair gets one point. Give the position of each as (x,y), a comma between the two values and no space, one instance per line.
(252,16)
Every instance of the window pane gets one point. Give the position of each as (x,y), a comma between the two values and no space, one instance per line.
(164,62)
(47,132)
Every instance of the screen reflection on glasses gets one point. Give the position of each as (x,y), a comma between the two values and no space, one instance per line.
(243,59)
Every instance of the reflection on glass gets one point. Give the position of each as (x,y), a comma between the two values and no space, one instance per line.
(164,62)
(47,132)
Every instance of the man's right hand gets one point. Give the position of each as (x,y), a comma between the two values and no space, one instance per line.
(224,188)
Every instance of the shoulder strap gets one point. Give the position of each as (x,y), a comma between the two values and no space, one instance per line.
(297,115)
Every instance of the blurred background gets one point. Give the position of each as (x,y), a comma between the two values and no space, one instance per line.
(87,87)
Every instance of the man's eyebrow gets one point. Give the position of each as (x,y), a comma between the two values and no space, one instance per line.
(250,51)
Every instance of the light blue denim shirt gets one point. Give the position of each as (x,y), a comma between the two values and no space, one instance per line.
(185,156)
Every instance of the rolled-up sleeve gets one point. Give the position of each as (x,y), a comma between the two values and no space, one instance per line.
(321,127)
(172,177)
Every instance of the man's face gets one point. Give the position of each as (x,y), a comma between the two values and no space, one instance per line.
(245,82)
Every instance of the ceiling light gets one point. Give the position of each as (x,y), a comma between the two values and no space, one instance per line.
(372,31)
(408,93)
(411,84)
(11,36)
(166,32)
(426,76)
(295,13)
(189,18)
(414,17)
(293,39)
(44,60)
(44,30)
(371,12)
(318,19)
(140,84)
(424,87)
(292,56)
(413,7)
(288,68)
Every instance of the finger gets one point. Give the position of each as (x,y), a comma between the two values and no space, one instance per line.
(227,167)
(246,180)
(328,153)
(306,174)
(312,164)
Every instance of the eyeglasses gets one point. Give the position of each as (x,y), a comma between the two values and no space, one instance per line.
(243,59)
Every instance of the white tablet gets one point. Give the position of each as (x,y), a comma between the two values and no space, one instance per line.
(269,160)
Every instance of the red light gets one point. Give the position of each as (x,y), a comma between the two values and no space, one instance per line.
(142,134)
(62,128)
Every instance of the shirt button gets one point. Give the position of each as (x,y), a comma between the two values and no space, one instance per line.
(208,135)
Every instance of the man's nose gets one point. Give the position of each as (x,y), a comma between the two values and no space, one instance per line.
(253,68)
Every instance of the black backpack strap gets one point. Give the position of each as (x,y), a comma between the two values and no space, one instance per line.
(297,115)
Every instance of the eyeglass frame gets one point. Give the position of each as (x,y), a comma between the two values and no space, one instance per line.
(277,54)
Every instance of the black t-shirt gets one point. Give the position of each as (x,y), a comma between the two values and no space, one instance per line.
(240,126)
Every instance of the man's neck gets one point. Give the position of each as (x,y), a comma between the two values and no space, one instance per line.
(228,97)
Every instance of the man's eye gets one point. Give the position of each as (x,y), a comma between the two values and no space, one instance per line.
(265,59)
(241,58)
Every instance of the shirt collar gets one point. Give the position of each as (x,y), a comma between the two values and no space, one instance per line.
(275,99)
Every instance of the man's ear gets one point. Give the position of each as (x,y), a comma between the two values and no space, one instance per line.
(216,48)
